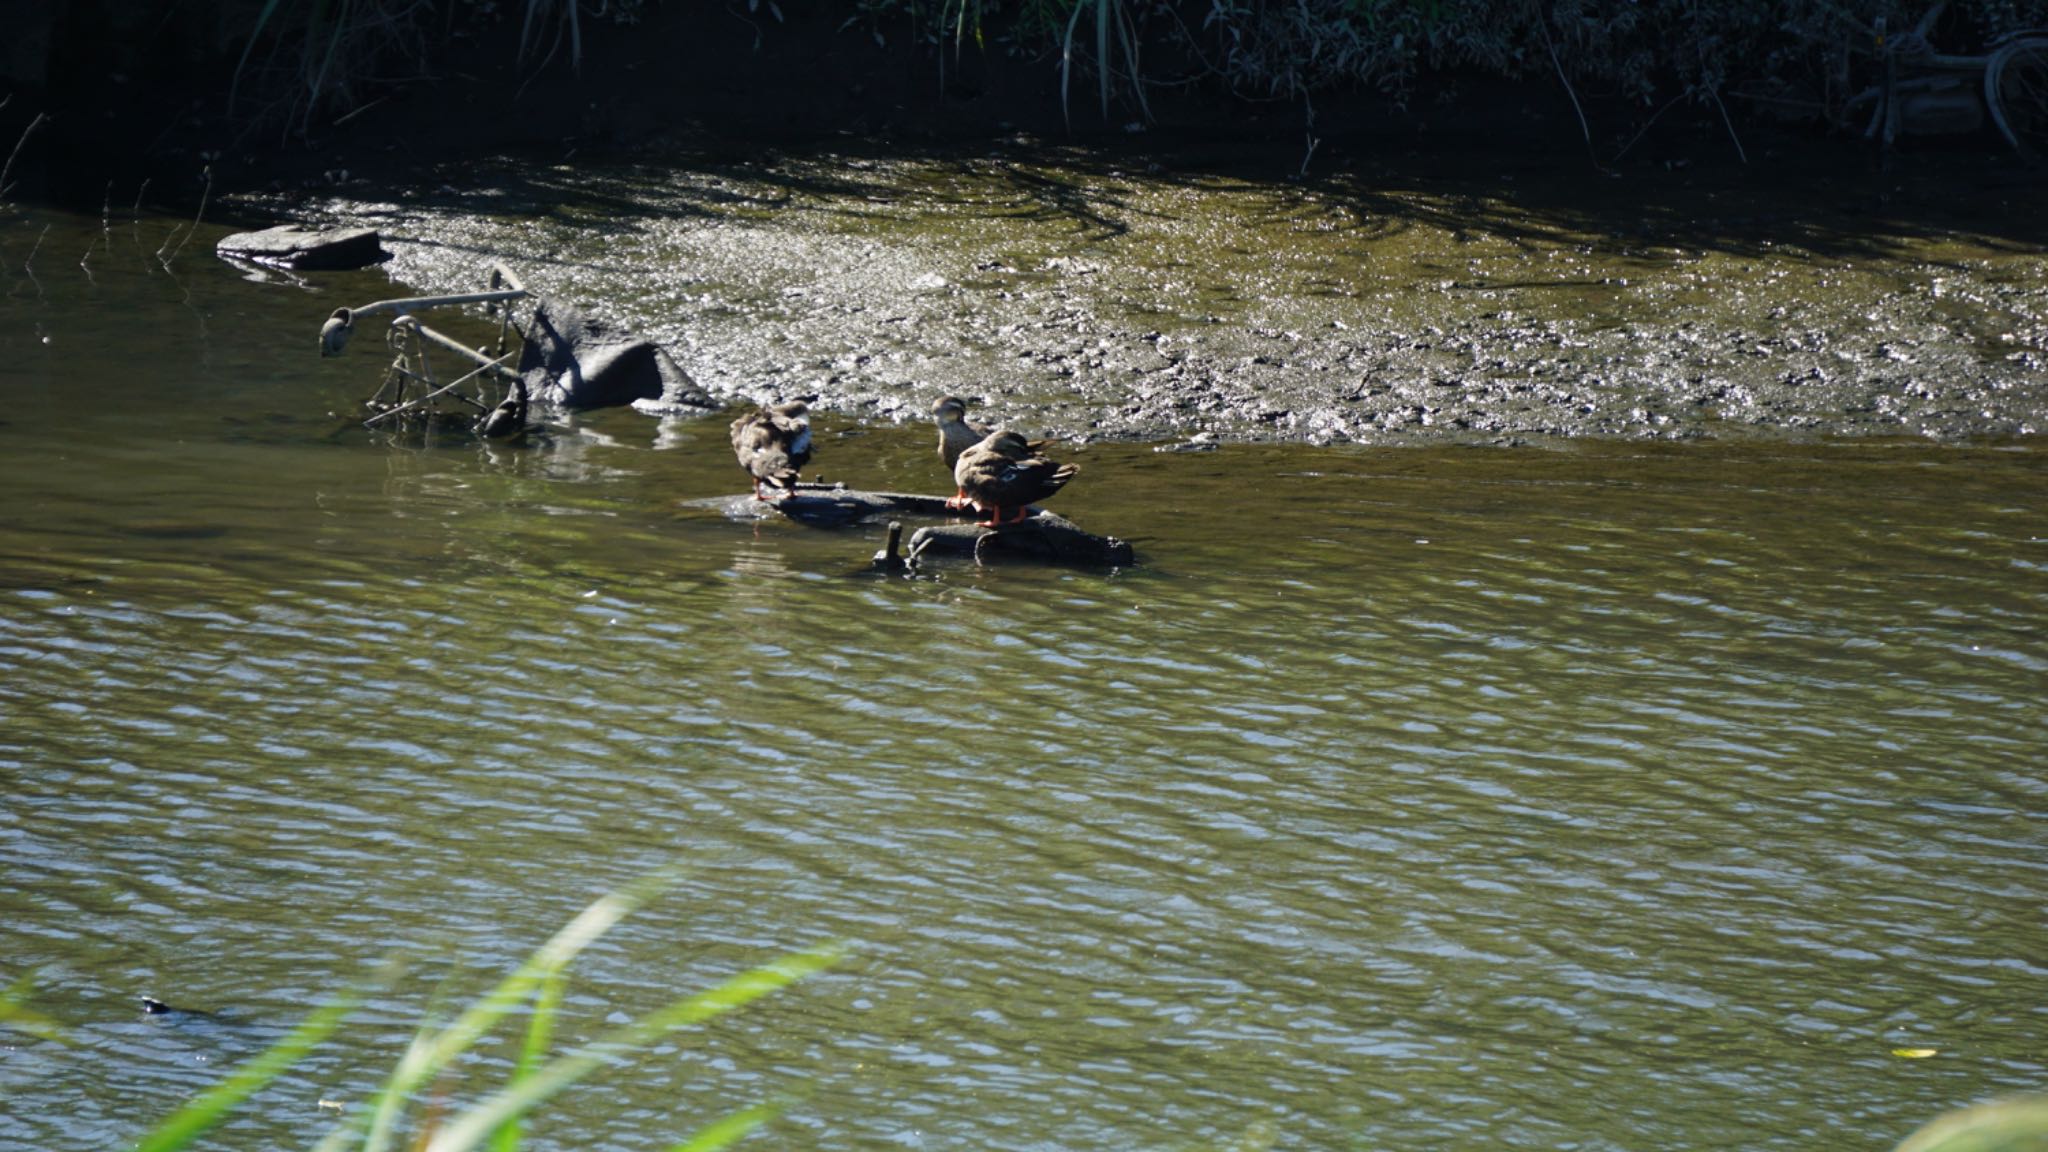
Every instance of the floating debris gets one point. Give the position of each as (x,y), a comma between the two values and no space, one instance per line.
(566,360)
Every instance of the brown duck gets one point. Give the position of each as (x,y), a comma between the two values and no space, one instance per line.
(772,444)
(957,434)
(1003,472)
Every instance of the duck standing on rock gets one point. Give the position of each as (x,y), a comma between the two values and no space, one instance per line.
(956,435)
(1005,471)
(773,444)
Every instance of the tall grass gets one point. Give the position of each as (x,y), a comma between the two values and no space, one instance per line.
(1112,26)
(306,58)
(536,1076)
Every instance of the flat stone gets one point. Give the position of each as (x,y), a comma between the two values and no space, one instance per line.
(296,246)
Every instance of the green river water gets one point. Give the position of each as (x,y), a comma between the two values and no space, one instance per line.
(1592,794)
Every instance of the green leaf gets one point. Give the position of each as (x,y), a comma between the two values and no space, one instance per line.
(16,1014)
(729,1130)
(427,1056)
(539,1031)
(2016,1124)
(475,1125)
(262,18)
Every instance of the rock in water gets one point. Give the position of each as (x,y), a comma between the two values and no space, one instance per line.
(295,246)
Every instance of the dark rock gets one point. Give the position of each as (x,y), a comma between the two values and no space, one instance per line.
(822,505)
(1043,537)
(294,246)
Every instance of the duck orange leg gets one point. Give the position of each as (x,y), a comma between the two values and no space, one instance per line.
(997,518)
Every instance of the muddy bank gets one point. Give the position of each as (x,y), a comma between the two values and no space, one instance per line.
(1139,299)
(799,214)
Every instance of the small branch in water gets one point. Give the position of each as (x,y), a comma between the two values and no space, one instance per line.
(25,264)
(106,231)
(204,193)
(135,224)
(175,230)
(34,124)
(28,265)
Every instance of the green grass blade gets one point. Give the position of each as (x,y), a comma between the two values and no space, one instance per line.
(539,1031)
(575,39)
(474,1126)
(424,1060)
(533,9)
(1067,63)
(1102,52)
(334,42)
(1127,32)
(2014,1124)
(255,33)
(17,1015)
(726,1131)
(207,1109)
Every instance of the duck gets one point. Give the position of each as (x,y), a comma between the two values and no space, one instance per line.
(772,444)
(957,434)
(1005,471)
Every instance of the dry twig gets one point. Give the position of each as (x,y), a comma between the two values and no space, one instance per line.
(204,193)
(5,187)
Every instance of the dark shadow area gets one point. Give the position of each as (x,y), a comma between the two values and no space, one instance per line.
(1820,196)
(811,104)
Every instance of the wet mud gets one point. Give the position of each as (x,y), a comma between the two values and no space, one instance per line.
(1150,295)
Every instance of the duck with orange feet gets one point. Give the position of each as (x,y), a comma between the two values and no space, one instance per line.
(957,434)
(1003,474)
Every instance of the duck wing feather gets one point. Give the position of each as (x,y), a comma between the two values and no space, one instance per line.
(1002,472)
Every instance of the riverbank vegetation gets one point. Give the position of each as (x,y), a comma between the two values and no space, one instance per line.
(307,58)
(299,65)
